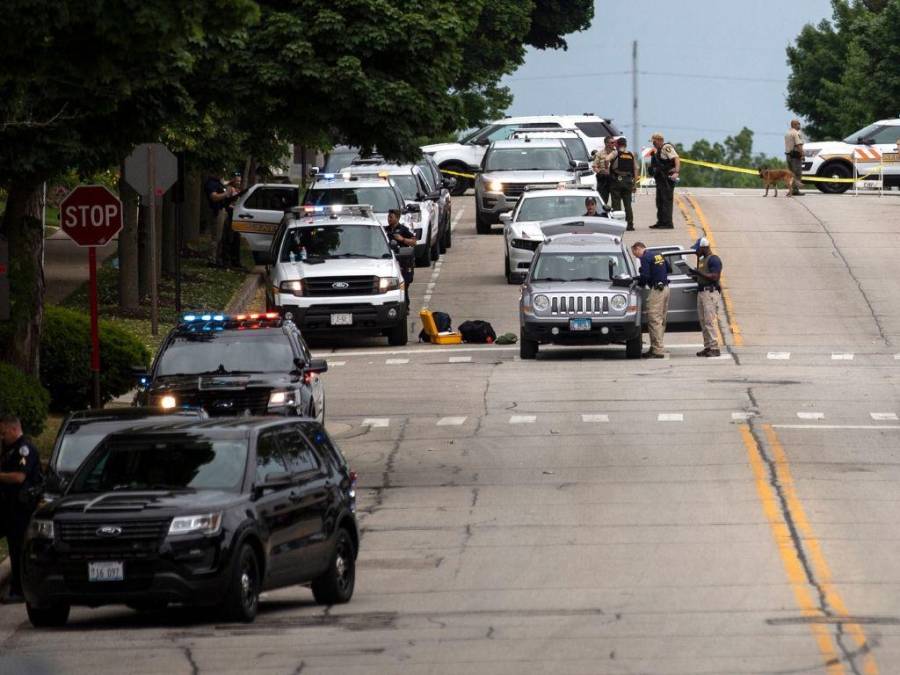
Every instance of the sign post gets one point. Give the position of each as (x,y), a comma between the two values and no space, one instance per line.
(92,215)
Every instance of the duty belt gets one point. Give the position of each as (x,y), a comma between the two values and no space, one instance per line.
(709,288)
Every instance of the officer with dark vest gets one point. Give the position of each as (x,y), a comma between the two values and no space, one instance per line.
(20,474)
(398,232)
(664,165)
(621,180)
(708,275)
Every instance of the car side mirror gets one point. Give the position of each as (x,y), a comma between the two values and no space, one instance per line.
(54,483)
(141,375)
(265,258)
(617,215)
(435,196)
(316,366)
(506,218)
(313,171)
(578,165)
(482,141)
(412,208)
(622,281)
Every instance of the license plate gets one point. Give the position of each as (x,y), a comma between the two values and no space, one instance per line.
(341,319)
(106,571)
(579,324)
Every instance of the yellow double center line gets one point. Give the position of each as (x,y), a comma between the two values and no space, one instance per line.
(801,554)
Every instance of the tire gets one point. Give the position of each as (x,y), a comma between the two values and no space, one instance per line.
(48,617)
(335,587)
(436,250)
(448,235)
(462,184)
(242,597)
(528,349)
(834,170)
(399,334)
(633,348)
(424,259)
(482,224)
(506,271)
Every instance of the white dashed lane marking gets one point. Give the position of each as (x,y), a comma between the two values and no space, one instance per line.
(336,363)
(842,356)
(778,356)
(742,416)
(522,419)
(670,417)
(460,359)
(451,421)
(811,415)
(883,416)
(376,422)
(595,418)
(396,362)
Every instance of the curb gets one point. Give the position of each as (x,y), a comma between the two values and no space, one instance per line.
(244,295)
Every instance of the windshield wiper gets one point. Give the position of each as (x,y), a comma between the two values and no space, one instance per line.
(589,279)
(548,279)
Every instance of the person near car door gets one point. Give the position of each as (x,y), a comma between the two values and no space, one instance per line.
(218,195)
(664,166)
(621,180)
(398,232)
(793,151)
(20,473)
(231,240)
(708,274)
(654,275)
(600,165)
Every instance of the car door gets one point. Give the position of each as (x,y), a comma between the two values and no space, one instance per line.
(274,508)
(682,314)
(262,209)
(311,496)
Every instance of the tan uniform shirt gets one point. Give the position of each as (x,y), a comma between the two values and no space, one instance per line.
(792,139)
(667,151)
(602,159)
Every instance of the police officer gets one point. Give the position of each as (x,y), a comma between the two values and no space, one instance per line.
(20,472)
(664,166)
(621,179)
(793,150)
(396,231)
(655,277)
(708,274)
(219,195)
(600,165)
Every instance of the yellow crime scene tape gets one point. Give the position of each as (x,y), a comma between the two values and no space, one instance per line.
(754,172)
(457,173)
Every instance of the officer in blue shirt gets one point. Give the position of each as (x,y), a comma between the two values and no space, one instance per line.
(708,274)
(655,276)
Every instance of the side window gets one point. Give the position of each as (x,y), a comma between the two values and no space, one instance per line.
(278,238)
(540,125)
(272,199)
(593,129)
(300,456)
(886,135)
(268,457)
(322,443)
(424,186)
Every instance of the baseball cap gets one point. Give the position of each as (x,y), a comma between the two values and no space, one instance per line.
(700,243)
(621,141)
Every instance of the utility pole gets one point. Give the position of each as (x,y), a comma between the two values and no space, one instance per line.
(636,131)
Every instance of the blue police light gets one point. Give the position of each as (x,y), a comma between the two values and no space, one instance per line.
(327,176)
(219,317)
(189,317)
(207,317)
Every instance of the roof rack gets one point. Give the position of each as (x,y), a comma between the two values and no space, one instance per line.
(541,130)
(332,210)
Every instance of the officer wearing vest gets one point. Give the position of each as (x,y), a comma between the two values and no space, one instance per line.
(20,475)
(654,275)
(621,178)
(398,232)
(708,274)
(664,166)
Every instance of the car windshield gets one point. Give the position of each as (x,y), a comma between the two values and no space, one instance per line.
(547,208)
(577,266)
(266,350)
(525,159)
(407,186)
(334,241)
(187,460)
(381,199)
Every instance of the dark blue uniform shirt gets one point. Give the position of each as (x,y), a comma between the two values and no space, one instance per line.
(211,187)
(653,269)
(22,457)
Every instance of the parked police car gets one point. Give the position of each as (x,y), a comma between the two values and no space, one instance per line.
(333,269)
(580,289)
(259,210)
(871,146)
(379,193)
(254,364)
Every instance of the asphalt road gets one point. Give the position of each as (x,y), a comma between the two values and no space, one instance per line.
(587,514)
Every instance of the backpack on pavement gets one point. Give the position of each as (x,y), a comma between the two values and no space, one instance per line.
(477,332)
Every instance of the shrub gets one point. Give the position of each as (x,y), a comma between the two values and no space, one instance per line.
(66,359)
(23,396)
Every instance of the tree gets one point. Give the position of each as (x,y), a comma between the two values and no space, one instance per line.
(735,150)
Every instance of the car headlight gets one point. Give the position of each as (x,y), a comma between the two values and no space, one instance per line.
(618,302)
(42,529)
(541,302)
(388,284)
(294,287)
(495,186)
(527,244)
(279,398)
(168,402)
(811,153)
(207,523)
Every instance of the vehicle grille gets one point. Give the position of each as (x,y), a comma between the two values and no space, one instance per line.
(325,286)
(132,530)
(579,304)
(222,402)
(514,190)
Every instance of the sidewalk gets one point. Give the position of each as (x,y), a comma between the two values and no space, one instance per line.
(66,265)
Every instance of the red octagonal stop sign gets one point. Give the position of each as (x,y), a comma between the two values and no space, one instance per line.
(91,215)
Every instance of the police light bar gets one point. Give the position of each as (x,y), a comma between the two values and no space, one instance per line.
(333,210)
(207,321)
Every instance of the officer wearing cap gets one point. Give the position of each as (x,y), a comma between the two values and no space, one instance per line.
(621,180)
(20,474)
(707,274)
(665,166)
(398,232)
(602,157)
(793,150)
(654,275)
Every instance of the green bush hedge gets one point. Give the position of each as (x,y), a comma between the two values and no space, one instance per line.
(66,359)
(23,396)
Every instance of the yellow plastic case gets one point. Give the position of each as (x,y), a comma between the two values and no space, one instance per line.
(445,338)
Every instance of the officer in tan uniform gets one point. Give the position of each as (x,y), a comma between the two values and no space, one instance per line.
(600,166)
(793,150)
(665,166)
(708,275)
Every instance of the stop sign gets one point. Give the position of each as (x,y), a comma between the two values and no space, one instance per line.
(91,215)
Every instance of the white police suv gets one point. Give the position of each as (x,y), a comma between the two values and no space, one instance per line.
(874,149)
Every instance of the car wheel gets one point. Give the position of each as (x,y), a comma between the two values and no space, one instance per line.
(399,334)
(423,259)
(506,271)
(462,184)
(448,235)
(834,170)
(242,597)
(436,250)
(482,224)
(528,349)
(54,616)
(634,347)
(335,587)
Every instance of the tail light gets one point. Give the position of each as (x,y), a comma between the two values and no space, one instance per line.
(352,491)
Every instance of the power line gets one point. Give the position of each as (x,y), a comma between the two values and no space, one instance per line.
(653,73)
(719,131)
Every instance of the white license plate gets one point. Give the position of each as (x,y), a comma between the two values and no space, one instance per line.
(106,571)
(579,324)
(341,319)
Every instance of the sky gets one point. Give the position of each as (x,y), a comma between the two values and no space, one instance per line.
(708,68)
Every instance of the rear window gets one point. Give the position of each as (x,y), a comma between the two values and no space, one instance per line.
(597,129)
(273,199)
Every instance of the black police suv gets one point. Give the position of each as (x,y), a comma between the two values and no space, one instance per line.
(83,430)
(197,513)
(255,364)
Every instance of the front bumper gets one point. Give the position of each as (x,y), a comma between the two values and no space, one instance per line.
(366,316)
(519,261)
(495,203)
(601,333)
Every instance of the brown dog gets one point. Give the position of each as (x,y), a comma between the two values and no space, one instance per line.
(772,176)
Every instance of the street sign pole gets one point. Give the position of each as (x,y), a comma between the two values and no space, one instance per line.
(154,290)
(95,328)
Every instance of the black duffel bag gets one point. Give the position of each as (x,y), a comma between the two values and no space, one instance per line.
(477,331)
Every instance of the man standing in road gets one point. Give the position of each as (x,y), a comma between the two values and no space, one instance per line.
(707,274)
(621,179)
(664,166)
(655,277)
(600,165)
(793,150)
(396,231)
(20,471)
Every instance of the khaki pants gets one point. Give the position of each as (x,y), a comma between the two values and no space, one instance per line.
(708,310)
(215,236)
(657,309)
(796,166)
